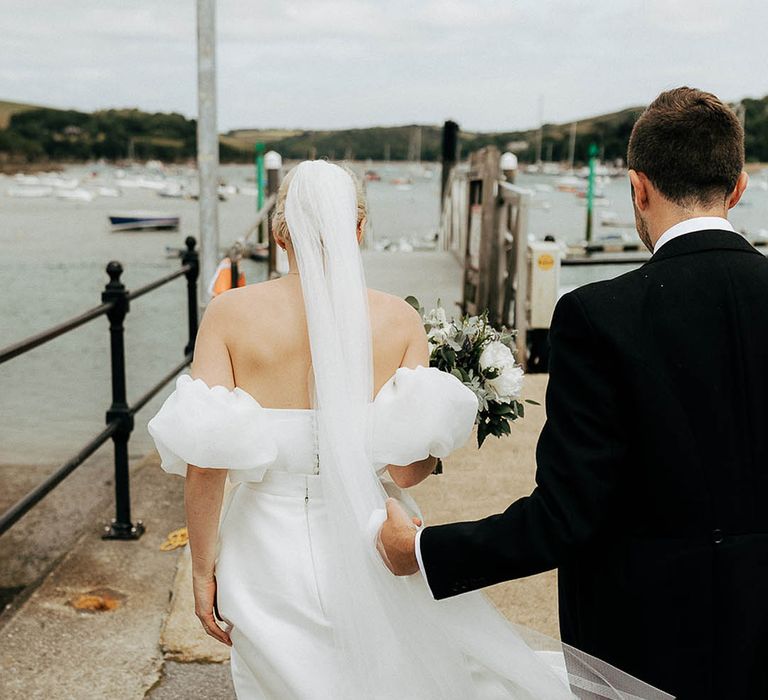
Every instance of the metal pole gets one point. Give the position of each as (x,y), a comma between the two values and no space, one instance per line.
(591,188)
(121,528)
(521,278)
(207,141)
(572,146)
(192,259)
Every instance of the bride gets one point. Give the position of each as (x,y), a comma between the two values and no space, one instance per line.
(314,395)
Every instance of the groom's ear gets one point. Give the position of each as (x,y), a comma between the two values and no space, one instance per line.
(741,185)
(640,185)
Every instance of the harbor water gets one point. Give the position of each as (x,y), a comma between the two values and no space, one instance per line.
(53,252)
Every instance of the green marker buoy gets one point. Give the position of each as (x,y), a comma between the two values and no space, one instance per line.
(260,184)
(593,151)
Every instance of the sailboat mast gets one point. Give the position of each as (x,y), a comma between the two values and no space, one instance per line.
(541,131)
(572,146)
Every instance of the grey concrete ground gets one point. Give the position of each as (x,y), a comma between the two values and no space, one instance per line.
(50,649)
(183,681)
(428,276)
(51,528)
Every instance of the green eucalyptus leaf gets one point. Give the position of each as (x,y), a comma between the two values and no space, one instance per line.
(414,302)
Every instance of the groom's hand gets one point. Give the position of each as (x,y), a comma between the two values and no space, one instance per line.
(397,540)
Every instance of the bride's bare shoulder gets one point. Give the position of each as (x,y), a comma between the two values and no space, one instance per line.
(250,301)
(388,308)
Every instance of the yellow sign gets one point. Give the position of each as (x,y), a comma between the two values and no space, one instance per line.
(546,261)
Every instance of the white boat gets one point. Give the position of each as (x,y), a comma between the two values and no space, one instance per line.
(173,190)
(143,221)
(60,183)
(108,192)
(78,194)
(143,183)
(30,191)
(22,179)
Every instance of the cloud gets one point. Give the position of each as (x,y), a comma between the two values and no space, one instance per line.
(333,63)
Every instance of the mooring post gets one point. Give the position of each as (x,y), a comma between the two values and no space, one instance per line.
(450,154)
(119,412)
(508,166)
(191,258)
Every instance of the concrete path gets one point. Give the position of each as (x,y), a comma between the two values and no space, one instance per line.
(428,276)
(91,629)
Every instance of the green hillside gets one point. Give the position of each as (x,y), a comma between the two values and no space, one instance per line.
(31,134)
(8,109)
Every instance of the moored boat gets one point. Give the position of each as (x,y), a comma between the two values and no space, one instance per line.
(143,221)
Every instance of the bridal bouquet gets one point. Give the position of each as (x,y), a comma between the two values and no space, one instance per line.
(483,359)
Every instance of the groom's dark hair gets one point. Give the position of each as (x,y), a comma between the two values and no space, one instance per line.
(690,145)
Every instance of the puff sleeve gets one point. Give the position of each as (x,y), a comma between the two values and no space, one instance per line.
(421,412)
(212,427)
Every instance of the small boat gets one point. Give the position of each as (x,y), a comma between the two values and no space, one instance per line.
(30,191)
(78,194)
(172,191)
(143,221)
(108,192)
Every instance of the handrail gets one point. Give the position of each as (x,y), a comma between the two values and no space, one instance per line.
(141,291)
(149,395)
(33,497)
(34,341)
(120,416)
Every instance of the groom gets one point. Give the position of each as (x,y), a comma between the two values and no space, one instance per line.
(652,468)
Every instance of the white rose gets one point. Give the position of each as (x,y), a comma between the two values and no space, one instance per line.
(496,355)
(508,385)
(509,382)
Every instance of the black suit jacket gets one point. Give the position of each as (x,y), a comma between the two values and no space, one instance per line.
(652,475)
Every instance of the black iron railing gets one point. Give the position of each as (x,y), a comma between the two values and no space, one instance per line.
(115,304)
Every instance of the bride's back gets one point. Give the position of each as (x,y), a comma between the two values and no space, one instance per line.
(264,329)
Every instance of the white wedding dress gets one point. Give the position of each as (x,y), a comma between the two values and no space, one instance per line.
(315,614)
(271,571)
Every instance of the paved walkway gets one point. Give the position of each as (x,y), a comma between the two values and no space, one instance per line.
(426,275)
(91,629)
(147,643)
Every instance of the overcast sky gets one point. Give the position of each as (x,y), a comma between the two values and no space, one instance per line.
(315,64)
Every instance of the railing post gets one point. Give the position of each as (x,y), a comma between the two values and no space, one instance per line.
(191,258)
(121,528)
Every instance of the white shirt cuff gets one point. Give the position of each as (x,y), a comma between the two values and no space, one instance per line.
(417,545)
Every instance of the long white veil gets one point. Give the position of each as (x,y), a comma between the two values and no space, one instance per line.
(392,638)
